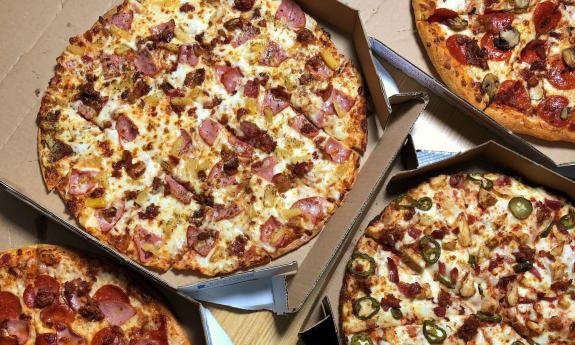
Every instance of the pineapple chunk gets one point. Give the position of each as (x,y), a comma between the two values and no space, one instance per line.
(269,196)
(152,100)
(330,60)
(142,197)
(177,147)
(116,31)
(290,213)
(182,101)
(122,49)
(339,110)
(183,36)
(76,50)
(96,202)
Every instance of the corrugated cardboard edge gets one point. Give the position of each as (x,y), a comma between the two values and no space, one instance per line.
(489,153)
(405,113)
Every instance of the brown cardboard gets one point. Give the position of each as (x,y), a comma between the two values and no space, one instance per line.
(20,226)
(31,66)
(486,157)
(392,23)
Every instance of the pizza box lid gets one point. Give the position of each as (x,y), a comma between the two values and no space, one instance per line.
(323,319)
(27,63)
(392,23)
(21,226)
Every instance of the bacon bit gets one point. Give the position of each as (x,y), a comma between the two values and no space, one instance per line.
(409,290)
(389,301)
(468,330)
(454,274)
(457,181)
(493,264)
(555,205)
(562,285)
(504,282)
(150,213)
(536,273)
(440,311)
(413,232)
(502,181)
(439,234)
(393,272)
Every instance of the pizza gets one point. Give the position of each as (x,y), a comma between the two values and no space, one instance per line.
(464,259)
(202,136)
(513,59)
(53,296)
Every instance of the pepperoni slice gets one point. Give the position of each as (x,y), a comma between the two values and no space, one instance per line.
(313,209)
(8,340)
(550,110)
(546,17)
(335,150)
(109,336)
(496,21)
(494,53)
(201,240)
(46,339)
(188,55)
(10,307)
(43,293)
(273,55)
(19,329)
(441,15)
(513,94)
(57,313)
(114,304)
(560,75)
(209,130)
(145,64)
(126,128)
(534,51)
(291,13)
(265,167)
(81,182)
(456,47)
(178,191)
(123,20)
(303,125)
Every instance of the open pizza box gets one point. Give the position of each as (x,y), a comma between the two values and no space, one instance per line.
(20,226)
(26,65)
(322,324)
(394,36)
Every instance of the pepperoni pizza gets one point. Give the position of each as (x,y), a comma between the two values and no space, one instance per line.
(514,59)
(53,296)
(473,258)
(203,136)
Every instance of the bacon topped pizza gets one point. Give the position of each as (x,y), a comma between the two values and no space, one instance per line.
(478,259)
(204,136)
(53,296)
(514,59)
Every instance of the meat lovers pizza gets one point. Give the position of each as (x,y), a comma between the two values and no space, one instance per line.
(53,296)
(464,259)
(203,136)
(514,59)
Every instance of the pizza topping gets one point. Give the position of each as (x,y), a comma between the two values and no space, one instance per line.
(469,329)
(112,335)
(335,150)
(300,169)
(520,207)
(9,306)
(490,85)
(512,93)
(312,208)
(201,240)
(244,5)
(497,21)
(466,51)
(123,20)
(302,125)
(484,317)
(365,307)
(257,137)
(507,39)
(433,333)
(449,18)
(187,55)
(178,191)
(291,13)
(57,313)
(265,167)
(108,217)
(222,212)
(19,329)
(361,339)
(114,304)
(273,55)
(568,56)
(145,64)
(495,47)
(252,89)
(534,51)
(552,109)
(560,75)
(546,17)
(209,130)
(357,265)
(75,292)
(43,293)
(305,36)
(81,181)
(163,32)
(66,335)
(276,100)
(430,249)
(126,128)
(318,68)
(90,98)
(145,242)
(229,77)
(568,221)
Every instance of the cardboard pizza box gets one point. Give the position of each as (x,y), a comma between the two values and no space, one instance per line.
(323,320)
(392,23)
(26,65)
(21,226)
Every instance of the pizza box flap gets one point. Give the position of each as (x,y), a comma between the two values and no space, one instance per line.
(392,23)
(21,226)
(489,156)
(28,66)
